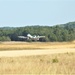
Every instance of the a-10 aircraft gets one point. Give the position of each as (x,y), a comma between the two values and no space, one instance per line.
(31,37)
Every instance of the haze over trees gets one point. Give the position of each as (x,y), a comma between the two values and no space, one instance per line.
(63,32)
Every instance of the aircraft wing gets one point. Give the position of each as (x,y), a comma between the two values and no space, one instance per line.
(23,37)
(41,36)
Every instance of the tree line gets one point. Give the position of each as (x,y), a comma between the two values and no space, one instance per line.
(64,32)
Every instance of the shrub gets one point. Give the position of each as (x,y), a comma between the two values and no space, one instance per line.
(5,38)
(55,60)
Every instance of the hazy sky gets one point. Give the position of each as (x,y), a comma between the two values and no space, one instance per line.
(36,12)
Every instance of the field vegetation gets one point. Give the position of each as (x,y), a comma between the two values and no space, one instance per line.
(44,64)
(35,45)
(39,64)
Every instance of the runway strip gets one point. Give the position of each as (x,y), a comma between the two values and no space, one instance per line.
(17,53)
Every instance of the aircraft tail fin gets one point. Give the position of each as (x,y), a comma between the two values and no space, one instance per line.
(29,36)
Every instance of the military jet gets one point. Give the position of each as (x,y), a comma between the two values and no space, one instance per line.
(31,37)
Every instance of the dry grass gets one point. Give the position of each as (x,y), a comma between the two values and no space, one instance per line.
(43,64)
(36,45)
(47,64)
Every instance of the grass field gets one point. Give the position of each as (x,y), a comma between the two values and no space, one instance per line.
(39,64)
(45,64)
(35,45)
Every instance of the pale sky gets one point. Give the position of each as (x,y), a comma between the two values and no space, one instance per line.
(17,13)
